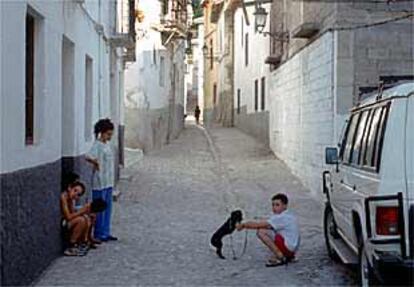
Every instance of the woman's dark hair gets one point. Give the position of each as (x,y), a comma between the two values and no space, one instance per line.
(282,197)
(78,183)
(68,178)
(103,125)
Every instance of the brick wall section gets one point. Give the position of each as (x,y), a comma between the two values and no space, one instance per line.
(301,111)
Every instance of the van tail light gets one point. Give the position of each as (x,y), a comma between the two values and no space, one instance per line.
(387,220)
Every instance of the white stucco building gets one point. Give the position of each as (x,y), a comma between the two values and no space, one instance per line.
(195,67)
(154,85)
(61,70)
(251,75)
(198,77)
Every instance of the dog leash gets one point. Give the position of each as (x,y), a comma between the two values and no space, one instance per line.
(217,159)
(232,246)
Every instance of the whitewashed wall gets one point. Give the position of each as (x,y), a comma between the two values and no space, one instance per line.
(143,88)
(244,76)
(58,18)
(199,58)
(302,110)
(197,80)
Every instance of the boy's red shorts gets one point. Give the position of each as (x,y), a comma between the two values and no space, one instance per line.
(280,244)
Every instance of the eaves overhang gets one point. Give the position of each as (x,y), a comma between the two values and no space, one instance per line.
(306,30)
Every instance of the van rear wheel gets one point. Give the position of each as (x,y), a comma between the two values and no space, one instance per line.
(330,232)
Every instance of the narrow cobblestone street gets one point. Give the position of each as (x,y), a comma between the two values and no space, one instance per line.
(174,199)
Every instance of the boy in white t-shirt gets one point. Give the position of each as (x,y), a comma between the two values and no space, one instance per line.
(280,233)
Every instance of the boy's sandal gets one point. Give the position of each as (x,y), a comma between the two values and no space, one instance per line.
(276,262)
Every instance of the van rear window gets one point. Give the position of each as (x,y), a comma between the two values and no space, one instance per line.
(363,143)
(369,157)
(350,138)
(355,152)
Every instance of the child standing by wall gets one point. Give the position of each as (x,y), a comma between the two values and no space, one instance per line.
(101,157)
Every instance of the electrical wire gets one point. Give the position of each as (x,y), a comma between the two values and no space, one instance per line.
(395,19)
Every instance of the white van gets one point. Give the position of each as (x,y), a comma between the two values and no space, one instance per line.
(369,214)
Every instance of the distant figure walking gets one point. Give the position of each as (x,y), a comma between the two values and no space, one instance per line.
(102,159)
(197,113)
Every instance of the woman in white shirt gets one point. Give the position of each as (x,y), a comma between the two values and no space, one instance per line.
(102,159)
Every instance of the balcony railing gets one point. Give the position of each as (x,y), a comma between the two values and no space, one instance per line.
(175,16)
(125,37)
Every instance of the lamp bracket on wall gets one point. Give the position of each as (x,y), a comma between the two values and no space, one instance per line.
(278,36)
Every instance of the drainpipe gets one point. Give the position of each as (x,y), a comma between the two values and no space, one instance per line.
(99,64)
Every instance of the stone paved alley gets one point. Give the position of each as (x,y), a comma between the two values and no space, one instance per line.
(173,200)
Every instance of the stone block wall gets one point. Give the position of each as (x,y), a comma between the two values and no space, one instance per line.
(302,110)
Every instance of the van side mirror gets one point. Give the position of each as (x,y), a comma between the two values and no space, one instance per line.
(331,155)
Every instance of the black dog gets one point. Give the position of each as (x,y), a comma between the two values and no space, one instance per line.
(98,205)
(227,228)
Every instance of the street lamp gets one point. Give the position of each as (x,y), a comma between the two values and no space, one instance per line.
(260,23)
(205,50)
(260,18)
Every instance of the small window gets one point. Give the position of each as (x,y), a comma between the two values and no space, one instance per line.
(349,138)
(88,97)
(242,30)
(154,56)
(263,94)
(165,7)
(162,72)
(211,55)
(30,54)
(256,95)
(246,51)
(238,100)
(356,149)
(214,93)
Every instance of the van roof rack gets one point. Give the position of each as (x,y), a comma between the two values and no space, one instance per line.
(385,83)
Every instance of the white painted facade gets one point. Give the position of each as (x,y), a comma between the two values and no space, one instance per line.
(154,84)
(256,69)
(196,75)
(65,32)
(147,81)
(199,62)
